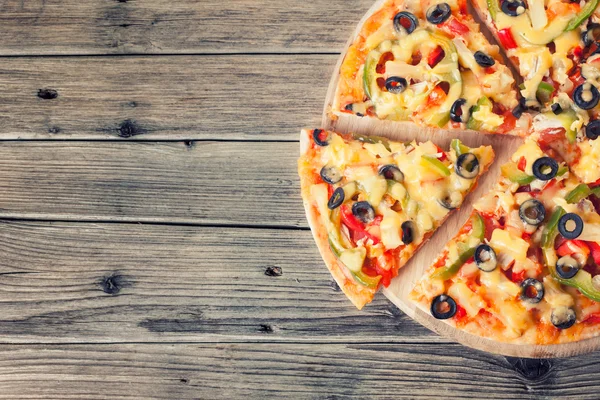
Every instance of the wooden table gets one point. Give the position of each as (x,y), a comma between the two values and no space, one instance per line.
(152,239)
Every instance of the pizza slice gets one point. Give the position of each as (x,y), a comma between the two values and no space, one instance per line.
(371,203)
(525,268)
(428,63)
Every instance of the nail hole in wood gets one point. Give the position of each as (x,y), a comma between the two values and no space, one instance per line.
(47,94)
(189,144)
(273,271)
(54,129)
(130,128)
(264,328)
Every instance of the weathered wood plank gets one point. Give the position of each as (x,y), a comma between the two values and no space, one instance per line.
(218,183)
(163,26)
(298,371)
(85,282)
(148,98)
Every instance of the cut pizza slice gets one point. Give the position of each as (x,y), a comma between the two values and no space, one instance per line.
(371,203)
(525,267)
(428,63)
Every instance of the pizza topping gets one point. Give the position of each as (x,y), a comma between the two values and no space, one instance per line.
(532,212)
(408,232)
(592,130)
(567,267)
(485,258)
(392,172)
(459,112)
(556,108)
(506,39)
(331,174)
(584,14)
(570,226)
(451,201)
(545,168)
(483,59)
(591,35)
(405,22)
(396,84)
(580,192)
(586,96)
(443,307)
(513,8)
(321,137)
(363,211)
(467,166)
(336,199)
(439,13)
(532,291)
(563,317)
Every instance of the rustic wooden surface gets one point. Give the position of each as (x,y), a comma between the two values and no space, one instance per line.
(152,238)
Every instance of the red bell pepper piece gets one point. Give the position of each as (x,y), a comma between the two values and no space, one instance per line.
(592,319)
(356,227)
(460,313)
(595,250)
(522,163)
(435,56)
(507,39)
(573,247)
(456,27)
(517,277)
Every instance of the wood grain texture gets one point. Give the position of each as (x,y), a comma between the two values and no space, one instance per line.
(165,27)
(151,98)
(85,282)
(298,371)
(218,183)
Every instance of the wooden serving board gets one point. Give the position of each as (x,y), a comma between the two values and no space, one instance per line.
(401,286)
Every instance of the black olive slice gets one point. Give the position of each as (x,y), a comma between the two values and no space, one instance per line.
(467,165)
(451,201)
(483,59)
(439,13)
(321,137)
(443,307)
(363,211)
(405,22)
(563,317)
(408,232)
(391,172)
(518,111)
(556,108)
(567,267)
(532,290)
(532,212)
(513,8)
(459,111)
(586,96)
(570,226)
(396,84)
(336,199)
(545,168)
(331,175)
(591,35)
(485,258)
(592,130)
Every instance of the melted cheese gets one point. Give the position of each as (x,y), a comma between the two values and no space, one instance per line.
(503,242)
(531,151)
(587,167)
(466,298)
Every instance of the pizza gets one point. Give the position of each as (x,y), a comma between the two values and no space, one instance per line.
(525,268)
(371,202)
(426,62)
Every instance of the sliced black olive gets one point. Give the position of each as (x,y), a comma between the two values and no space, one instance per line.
(336,199)
(586,96)
(405,21)
(574,228)
(451,201)
(363,211)
(520,108)
(591,35)
(408,232)
(459,112)
(563,317)
(556,108)
(532,290)
(391,172)
(567,267)
(545,168)
(513,8)
(467,165)
(592,130)
(331,175)
(485,258)
(483,59)
(321,137)
(439,13)
(396,84)
(532,212)
(443,307)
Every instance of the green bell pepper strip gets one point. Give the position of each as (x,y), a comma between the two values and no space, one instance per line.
(514,174)
(583,14)
(562,170)
(582,281)
(551,229)
(493,8)
(362,278)
(435,164)
(464,252)
(472,123)
(596,191)
(459,148)
(544,92)
(369,74)
(579,193)
(373,140)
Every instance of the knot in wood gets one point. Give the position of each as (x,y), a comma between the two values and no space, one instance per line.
(530,368)
(130,128)
(273,271)
(47,94)
(265,328)
(112,284)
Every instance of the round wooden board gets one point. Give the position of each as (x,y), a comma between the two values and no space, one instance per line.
(401,286)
